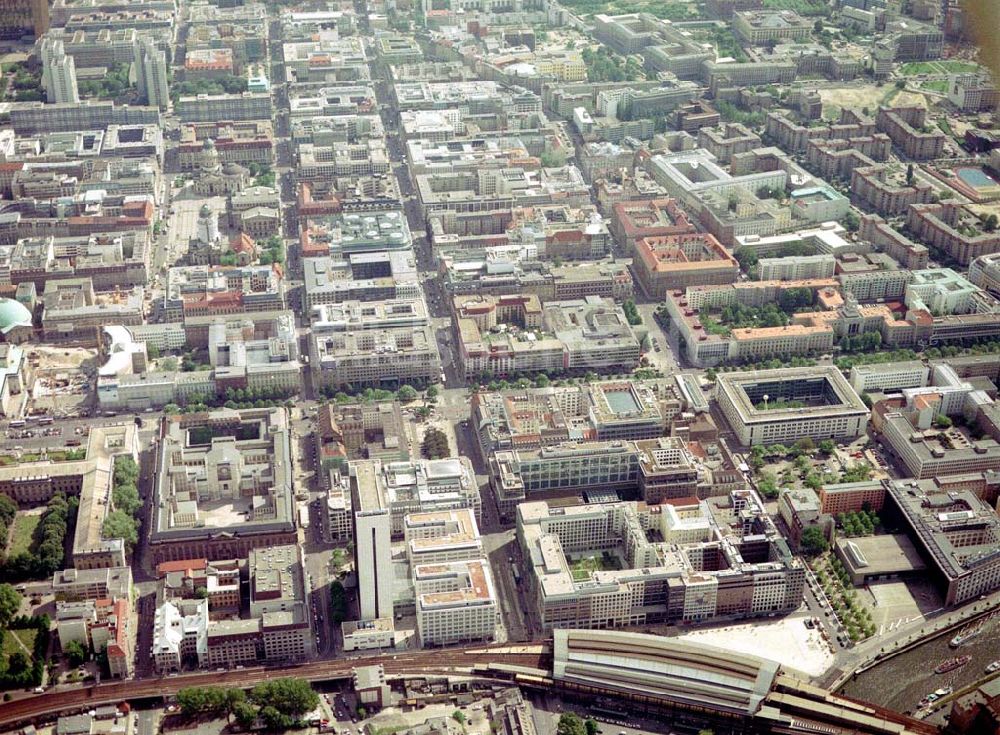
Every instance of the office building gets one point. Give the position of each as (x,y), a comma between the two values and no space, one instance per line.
(851,497)
(669,262)
(956,531)
(889,377)
(372,548)
(416,486)
(223,484)
(456,602)
(640,582)
(796,268)
(784,405)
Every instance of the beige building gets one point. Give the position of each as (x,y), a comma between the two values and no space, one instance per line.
(787,404)
(456,602)
(672,262)
(592,566)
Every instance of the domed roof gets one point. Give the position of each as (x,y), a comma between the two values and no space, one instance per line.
(13,314)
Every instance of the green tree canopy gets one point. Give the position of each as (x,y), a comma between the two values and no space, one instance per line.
(570,724)
(289,696)
(813,541)
(10,603)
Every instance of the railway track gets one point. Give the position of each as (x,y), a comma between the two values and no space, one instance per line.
(434,662)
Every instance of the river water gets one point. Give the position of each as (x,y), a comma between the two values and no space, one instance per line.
(901,682)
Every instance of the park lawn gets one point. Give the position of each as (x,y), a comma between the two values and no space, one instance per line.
(582,568)
(27,637)
(958,67)
(23,536)
(919,67)
(938,86)
(802,7)
(10,644)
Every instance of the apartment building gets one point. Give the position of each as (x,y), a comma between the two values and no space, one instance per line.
(885,190)
(727,140)
(851,497)
(238,107)
(905,125)
(802,267)
(889,377)
(945,226)
(908,253)
(58,73)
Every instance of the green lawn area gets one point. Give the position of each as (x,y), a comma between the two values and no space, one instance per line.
(802,7)
(10,644)
(24,532)
(938,86)
(27,636)
(918,67)
(712,325)
(937,67)
(582,568)
(958,67)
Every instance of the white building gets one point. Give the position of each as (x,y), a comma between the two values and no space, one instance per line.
(372,546)
(889,377)
(787,404)
(456,602)
(441,537)
(58,73)
(151,73)
(797,268)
